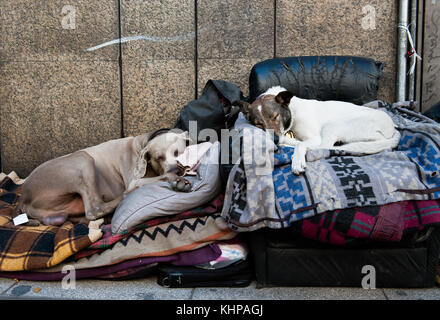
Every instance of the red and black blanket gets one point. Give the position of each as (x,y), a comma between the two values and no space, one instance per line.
(372,223)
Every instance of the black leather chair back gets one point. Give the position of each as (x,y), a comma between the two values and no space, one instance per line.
(342,78)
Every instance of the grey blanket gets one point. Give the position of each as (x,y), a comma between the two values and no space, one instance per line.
(263,192)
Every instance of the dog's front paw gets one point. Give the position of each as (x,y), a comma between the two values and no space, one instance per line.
(298,165)
(180,184)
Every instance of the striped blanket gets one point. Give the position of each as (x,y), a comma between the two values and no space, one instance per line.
(29,248)
(354,226)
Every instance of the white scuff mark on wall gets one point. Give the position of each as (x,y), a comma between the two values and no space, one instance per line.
(183,37)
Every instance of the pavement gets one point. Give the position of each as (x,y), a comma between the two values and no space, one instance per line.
(148,289)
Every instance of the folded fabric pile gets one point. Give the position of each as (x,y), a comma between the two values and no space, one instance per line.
(195,237)
(153,225)
(342,197)
(27,248)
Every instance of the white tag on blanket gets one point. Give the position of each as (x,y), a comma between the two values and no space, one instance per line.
(20,219)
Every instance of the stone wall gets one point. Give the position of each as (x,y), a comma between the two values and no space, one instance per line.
(430,93)
(57,97)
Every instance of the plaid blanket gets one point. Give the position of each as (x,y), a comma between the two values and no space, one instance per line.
(333,179)
(29,248)
(373,223)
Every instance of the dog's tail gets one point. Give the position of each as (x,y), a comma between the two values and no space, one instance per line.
(371,147)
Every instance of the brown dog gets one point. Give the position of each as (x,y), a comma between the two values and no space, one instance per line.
(93,181)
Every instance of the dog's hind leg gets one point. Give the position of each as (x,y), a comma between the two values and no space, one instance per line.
(110,206)
(366,136)
(371,147)
(334,132)
(87,188)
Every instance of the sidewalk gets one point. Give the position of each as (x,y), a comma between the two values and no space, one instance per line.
(147,289)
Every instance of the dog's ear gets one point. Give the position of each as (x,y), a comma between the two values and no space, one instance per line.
(142,146)
(283,98)
(244,107)
(142,163)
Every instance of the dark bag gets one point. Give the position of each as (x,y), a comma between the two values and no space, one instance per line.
(213,110)
(433,112)
(342,78)
(237,275)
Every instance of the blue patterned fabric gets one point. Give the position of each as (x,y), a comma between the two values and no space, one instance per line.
(423,149)
(292,192)
(338,180)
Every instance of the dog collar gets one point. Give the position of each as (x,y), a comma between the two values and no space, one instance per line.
(290,134)
(288,120)
(157,133)
(290,115)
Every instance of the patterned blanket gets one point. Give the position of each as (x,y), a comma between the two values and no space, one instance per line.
(109,239)
(354,226)
(29,248)
(333,179)
(158,241)
(205,254)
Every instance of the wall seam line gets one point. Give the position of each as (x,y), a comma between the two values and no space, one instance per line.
(196,52)
(274,28)
(121,94)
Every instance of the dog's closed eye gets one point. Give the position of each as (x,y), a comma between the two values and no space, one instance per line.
(259,125)
(275,116)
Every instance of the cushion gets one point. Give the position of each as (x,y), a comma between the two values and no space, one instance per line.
(342,78)
(158,199)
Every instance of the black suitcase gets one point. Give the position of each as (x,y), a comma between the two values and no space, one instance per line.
(282,258)
(237,275)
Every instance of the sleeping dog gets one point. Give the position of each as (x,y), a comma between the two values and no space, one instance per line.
(93,181)
(321,124)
